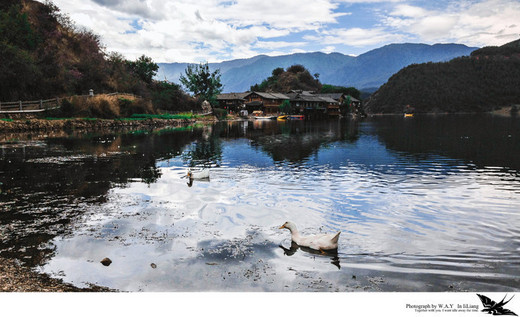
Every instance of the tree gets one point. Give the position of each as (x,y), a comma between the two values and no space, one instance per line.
(297,68)
(203,83)
(285,107)
(329,89)
(145,68)
(296,77)
(169,96)
(19,73)
(277,72)
(16,30)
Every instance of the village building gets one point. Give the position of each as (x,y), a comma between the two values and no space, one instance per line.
(268,102)
(314,105)
(232,102)
(307,103)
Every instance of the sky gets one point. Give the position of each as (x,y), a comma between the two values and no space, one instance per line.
(218,30)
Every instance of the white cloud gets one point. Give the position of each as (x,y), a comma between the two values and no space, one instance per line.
(329,49)
(287,14)
(215,30)
(354,37)
(409,11)
(205,29)
(277,44)
(369,1)
(488,22)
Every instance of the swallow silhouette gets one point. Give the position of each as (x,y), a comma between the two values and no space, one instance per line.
(494,308)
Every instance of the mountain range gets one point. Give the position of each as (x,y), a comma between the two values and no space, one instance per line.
(366,71)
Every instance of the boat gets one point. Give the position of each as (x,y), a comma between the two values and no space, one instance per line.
(296,117)
(282,118)
(265,117)
(408,115)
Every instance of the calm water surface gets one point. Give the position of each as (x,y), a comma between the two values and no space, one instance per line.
(423,204)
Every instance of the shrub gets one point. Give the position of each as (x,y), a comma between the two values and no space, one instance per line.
(67,108)
(104,109)
(129,107)
(220,113)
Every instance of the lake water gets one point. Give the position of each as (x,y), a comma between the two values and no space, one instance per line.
(423,204)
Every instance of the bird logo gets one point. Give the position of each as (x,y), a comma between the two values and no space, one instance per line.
(494,308)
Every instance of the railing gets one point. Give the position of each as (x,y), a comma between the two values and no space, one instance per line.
(44,105)
(29,106)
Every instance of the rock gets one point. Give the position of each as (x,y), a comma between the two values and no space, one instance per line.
(106,261)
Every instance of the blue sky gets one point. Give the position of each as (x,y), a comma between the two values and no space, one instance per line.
(215,30)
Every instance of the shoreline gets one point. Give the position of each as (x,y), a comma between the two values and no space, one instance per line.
(16,278)
(34,124)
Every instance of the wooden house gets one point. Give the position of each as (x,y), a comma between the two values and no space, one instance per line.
(232,102)
(268,102)
(313,105)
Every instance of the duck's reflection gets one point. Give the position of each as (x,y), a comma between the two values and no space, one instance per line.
(331,253)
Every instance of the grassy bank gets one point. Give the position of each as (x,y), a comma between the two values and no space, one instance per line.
(98,112)
(103,106)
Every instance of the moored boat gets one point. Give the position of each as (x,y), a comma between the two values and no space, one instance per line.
(265,117)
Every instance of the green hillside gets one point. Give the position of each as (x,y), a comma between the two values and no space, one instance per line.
(486,80)
(43,54)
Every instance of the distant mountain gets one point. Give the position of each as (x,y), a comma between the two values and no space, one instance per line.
(368,70)
(484,81)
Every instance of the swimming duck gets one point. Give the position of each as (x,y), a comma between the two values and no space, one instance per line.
(320,242)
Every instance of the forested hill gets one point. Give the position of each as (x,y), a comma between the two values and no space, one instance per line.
(370,69)
(489,78)
(44,55)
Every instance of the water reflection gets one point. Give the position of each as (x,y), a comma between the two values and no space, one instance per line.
(47,183)
(426,203)
(295,247)
(483,140)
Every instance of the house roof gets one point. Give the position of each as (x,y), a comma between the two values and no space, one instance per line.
(310,98)
(353,99)
(302,92)
(271,95)
(328,99)
(293,95)
(335,96)
(233,96)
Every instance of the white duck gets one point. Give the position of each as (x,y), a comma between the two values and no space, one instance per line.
(320,242)
(198,173)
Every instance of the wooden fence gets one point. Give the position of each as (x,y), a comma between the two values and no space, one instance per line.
(29,106)
(44,105)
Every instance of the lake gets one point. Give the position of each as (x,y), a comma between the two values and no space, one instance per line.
(430,203)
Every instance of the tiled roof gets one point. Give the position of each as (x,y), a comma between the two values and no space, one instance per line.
(233,96)
(271,95)
(311,98)
(293,95)
(335,96)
